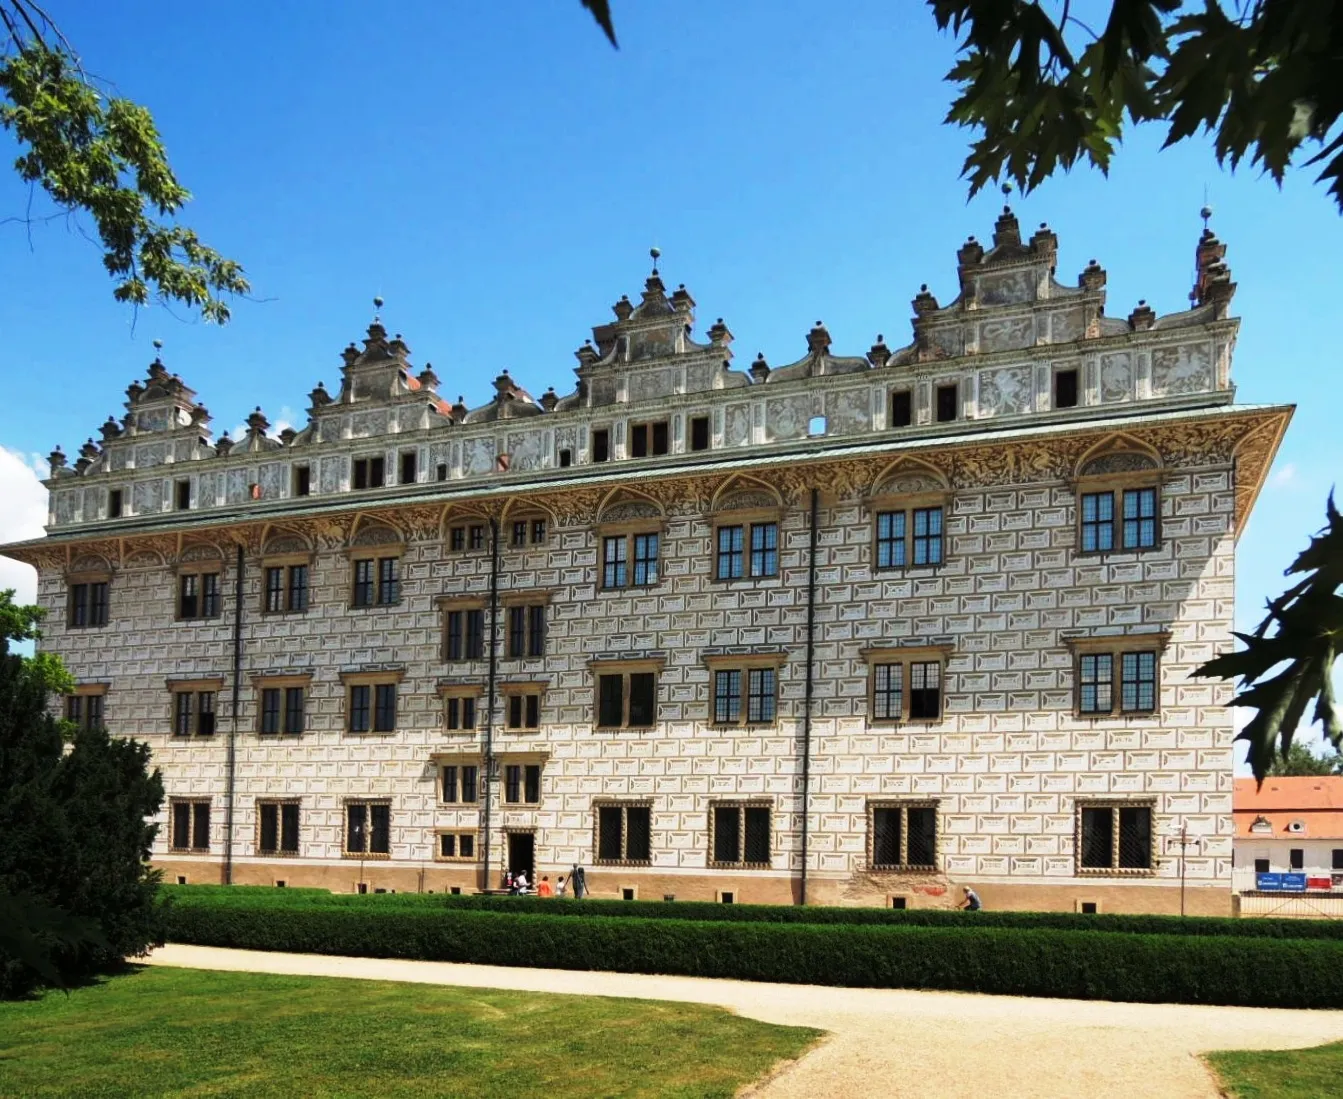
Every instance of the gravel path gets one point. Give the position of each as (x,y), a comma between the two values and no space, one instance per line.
(892,1042)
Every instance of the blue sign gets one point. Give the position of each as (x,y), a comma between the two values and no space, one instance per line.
(1268,883)
(1294,883)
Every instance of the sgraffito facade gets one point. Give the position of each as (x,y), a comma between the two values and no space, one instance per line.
(860,628)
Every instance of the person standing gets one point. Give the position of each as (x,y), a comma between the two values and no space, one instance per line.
(544,889)
(559,886)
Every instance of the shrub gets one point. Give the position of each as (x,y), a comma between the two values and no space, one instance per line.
(1024,962)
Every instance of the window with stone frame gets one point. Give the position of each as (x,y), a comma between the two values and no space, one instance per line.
(193,704)
(459,780)
(910,537)
(455,846)
(626,693)
(282,704)
(525,531)
(1117,675)
(649,439)
(88,601)
(1118,502)
(902,408)
(189,825)
(371,700)
(525,624)
(906,684)
(461,705)
(277,826)
(469,537)
(375,579)
(522,783)
(198,593)
(740,835)
(902,835)
(1116,837)
(744,690)
(368,472)
(522,705)
(746,550)
(622,833)
(630,559)
(463,628)
(368,829)
(285,584)
(84,707)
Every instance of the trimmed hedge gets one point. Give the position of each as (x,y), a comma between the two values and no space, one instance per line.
(767,913)
(1022,962)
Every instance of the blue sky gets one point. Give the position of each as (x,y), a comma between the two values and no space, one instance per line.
(497,173)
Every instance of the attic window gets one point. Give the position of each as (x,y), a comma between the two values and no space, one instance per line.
(566,458)
(601,445)
(1065,389)
(816,427)
(182,499)
(302,480)
(1261,824)
(902,408)
(368,472)
(408,467)
(114,504)
(646,439)
(946,403)
(442,471)
(699,433)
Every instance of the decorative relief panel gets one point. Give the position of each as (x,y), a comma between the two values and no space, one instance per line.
(786,417)
(333,469)
(1009,288)
(271,479)
(372,422)
(147,497)
(235,491)
(526,450)
(1005,391)
(411,417)
(1119,462)
(848,412)
(1008,334)
(699,376)
(478,456)
(150,454)
(1116,377)
(603,391)
(648,385)
(66,506)
(1183,369)
(153,419)
(652,345)
(1066,325)
(737,425)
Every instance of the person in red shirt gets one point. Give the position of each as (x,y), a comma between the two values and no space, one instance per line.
(544,889)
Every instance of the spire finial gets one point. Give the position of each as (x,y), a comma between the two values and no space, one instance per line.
(1206,215)
(377,307)
(656,253)
(1007,196)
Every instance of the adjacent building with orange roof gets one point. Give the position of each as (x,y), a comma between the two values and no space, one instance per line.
(1289,826)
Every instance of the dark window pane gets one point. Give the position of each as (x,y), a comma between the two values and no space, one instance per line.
(729,553)
(302,481)
(188,604)
(886,837)
(645,560)
(638,833)
(757,834)
(922,840)
(726,837)
(613,561)
(468,713)
(98,604)
(270,710)
(760,698)
(1098,522)
(532,783)
(566,458)
(1065,389)
(469,775)
(639,441)
(389,580)
(660,445)
(1097,838)
(275,589)
(643,699)
(888,691)
(293,710)
(298,587)
(93,712)
(363,583)
(181,825)
(927,536)
(384,719)
(519,533)
(1095,679)
(925,690)
(517,631)
(447,845)
(359,711)
(200,826)
(408,467)
(513,783)
(902,409)
(601,446)
(270,828)
(532,712)
(536,630)
(727,697)
(515,711)
(289,827)
(765,549)
(466,846)
(182,713)
(1138,691)
(380,833)
(450,783)
(375,473)
(946,403)
(205,713)
(475,635)
(210,595)
(609,829)
(356,826)
(891,540)
(1135,838)
(610,704)
(699,433)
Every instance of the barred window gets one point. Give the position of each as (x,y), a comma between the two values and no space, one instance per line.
(740,835)
(624,834)
(1115,836)
(903,835)
(278,827)
(368,827)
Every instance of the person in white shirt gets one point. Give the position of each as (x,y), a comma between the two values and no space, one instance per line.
(521,881)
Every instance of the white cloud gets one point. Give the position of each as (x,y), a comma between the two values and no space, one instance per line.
(1286,475)
(23,515)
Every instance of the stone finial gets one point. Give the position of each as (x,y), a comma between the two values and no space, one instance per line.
(56,459)
(257,422)
(1007,230)
(504,385)
(133,392)
(1213,277)
(587,354)
(623,308)
(549,399)
(719,334)
(376,332)
(287,436)
(110,429)
(224,445)
(759,369)
(879,354)
(818,340)
(459,410)
(681,300)
(1142,318)
(1092,276)
(398,347)
(427,377)
(350,355)
(970,253)
(199,415)
(1044,241)
(924,302)
(89,450)
(319,396)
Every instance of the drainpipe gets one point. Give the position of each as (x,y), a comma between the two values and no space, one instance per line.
(810,684)
(232,763)
(490,690)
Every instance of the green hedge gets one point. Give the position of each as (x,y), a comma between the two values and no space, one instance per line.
(1023,962)
(767,913)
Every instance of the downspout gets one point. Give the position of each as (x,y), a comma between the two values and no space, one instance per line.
(490,690)
(232,762)
(808,691)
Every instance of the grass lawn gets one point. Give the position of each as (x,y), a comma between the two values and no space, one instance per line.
(160,1031)
(1315,1073)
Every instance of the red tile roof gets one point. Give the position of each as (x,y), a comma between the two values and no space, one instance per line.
(1315,801)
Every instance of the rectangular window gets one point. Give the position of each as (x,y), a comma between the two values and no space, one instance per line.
(441,471)
(368,472)
(903,837)
(88,604)
(278,822)
(538,532)
(741,835)
(645,560)
(699,433)
(198,595)
(359,708)
(84,711)
(408,470)
(297,596)
(275,600)
(270,711)
(182,495)
(522,784)
(475,537)
(601,445)
(1139,528)
(891,540)
(1098,522)
(190,826)
(761,696)
(638,440)
(457,539)
(646,439)
(925,690)
(1065,389)
(389,580)
(465,635)
(902,408)
(764,549)
(526,630)
(193,713)
(293,711)
(727,697)
(523,710)
(368,828)
(927,536)
(377,582)
(731,560)
(624,834)
(615,568)
(1296,858)
(888,692)
(459,783)
(461,712)
(1095,683)
(910,536)
(384,707)
(626,700)
(1115,837)
(946,403)
(114,504)
(566,458)
(905,686)
(363,583)
(1138,682)
(1338,858)
(456,845)
(519,534)
(302,480)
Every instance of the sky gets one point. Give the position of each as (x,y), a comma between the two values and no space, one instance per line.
(497,173)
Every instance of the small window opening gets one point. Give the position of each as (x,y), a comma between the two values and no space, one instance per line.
(181,879)
(816,426)
(1089,908)
(566,458)
(601,446)
(408,467)
(442,471)
(699,433)
(627,894)
(280,883)
(902,408)
(669,897)
(183,495)
(1065,389)
(727,898)
(114,504)
(456,890)
(363,887)
(946,403)
(302,480)
(900,902)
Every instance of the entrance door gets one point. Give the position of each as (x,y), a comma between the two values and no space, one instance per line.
(522,855)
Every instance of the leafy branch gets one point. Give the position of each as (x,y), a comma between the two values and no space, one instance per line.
(103,156)
(1308,637)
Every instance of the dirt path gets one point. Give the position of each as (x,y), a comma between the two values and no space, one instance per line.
(891,1042)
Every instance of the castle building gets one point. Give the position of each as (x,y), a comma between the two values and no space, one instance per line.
(857,629)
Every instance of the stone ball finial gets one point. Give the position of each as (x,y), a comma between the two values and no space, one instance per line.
(377,302)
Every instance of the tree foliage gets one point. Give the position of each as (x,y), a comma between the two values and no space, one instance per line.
(76,891)
(1299,760)
(1281,673)
(102,156)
